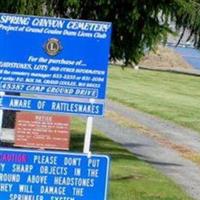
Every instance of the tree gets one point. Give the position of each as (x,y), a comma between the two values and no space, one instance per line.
(138,25)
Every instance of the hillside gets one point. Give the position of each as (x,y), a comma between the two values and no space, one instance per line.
(164,58)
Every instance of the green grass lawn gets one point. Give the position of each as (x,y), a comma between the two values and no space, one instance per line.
(131,179)
(171,96)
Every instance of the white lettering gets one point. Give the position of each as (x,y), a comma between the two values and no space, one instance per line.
(20,103)
(4,187)
(11,178)
(88,26)
(93,163)
(2,167)
(25,188)
(16,20)
(43,159)
(36,179)
(53,190)
(52,23)
(25,197)
(72,161)
(22,168)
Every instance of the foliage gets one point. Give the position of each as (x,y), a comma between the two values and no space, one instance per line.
(138,25)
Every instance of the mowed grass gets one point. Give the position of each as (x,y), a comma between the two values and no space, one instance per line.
(171,96)
(130,178)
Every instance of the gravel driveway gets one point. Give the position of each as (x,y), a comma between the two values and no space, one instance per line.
(160,143)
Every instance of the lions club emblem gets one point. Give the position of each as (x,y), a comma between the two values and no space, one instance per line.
(53,47)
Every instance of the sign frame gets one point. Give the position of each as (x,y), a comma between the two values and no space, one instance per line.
(31,104)
(106,164)
(42,131)
(83,55)
(25,72)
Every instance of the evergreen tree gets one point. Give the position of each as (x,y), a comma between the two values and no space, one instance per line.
(138,25)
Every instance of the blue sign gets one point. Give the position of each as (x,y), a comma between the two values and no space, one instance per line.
(51,106)
(54,56)
(27,174)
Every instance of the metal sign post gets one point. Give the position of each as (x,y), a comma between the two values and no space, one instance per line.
(88,134)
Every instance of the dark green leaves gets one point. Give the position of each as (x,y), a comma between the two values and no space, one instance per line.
(138,25)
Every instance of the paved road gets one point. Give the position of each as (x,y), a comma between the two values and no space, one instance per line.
(158,142)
